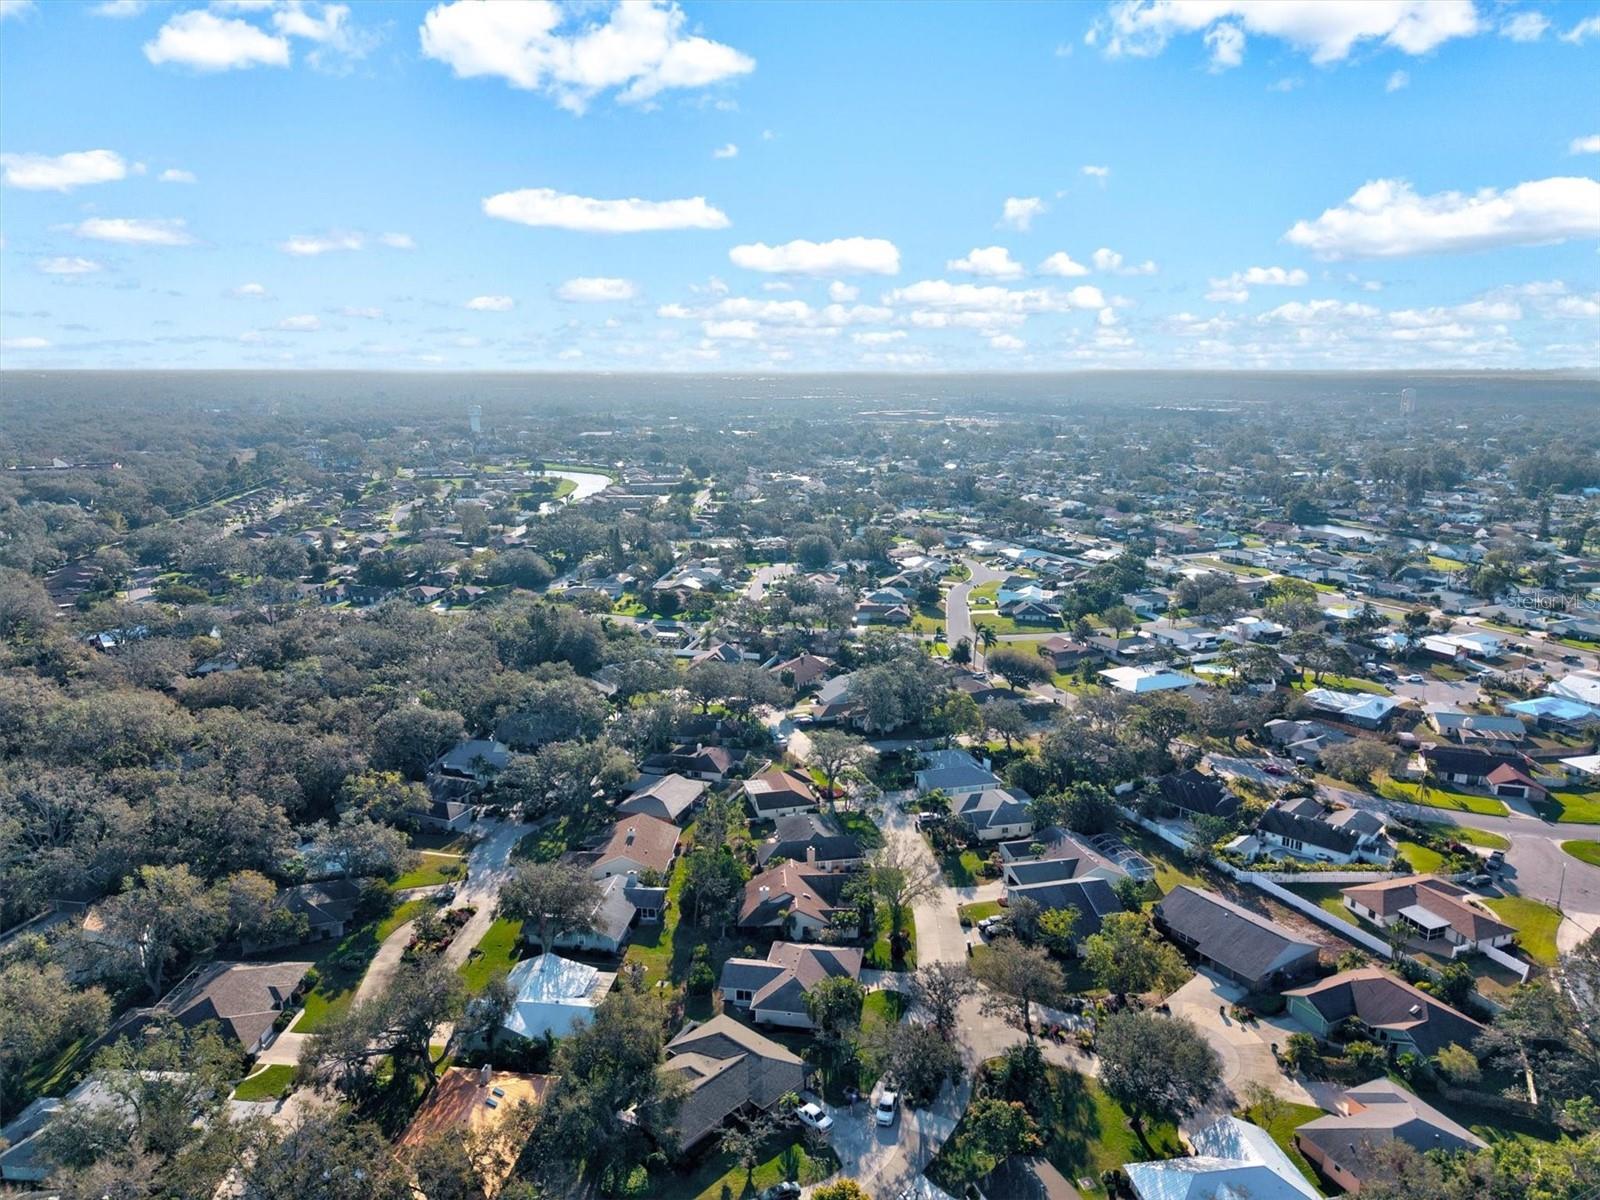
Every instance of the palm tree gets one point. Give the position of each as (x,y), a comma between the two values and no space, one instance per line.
(986,637)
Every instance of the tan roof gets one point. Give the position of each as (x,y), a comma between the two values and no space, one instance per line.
(460,1103)
(646,840)
(793,887)
(727,1065)
(1438,896)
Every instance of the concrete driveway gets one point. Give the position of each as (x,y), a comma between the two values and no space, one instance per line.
(1245,1050)
(488,868)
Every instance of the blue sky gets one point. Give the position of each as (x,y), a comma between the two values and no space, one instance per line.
(784,186)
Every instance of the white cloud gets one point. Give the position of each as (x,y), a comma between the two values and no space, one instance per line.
(309,245)
(842,256)
(1527,26)
(1018,212)
(1235,288)
(15,8)
(1326,29)
(878,337)
(491,304)
(1312,312)
(843,293)
(642,48)
(25,343)
(250,291)
(1386,218)
(62,172)
(70,265)
(120,8)
(1100,173)
(557,210)
(593,289)
(727,151)
(743,331)
(206,42)
(1225,40)
(135,231)
(398,241)
(1006,341)
(941,294)
(992,262)
(176,175)
(363,314)
(1112,263)
(305,323)
(1585,29)
(1585,145)
(1397,80)
(1060,263)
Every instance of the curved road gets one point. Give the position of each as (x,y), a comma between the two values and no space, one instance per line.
(957,613)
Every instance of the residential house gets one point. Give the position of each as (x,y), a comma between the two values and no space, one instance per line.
(624,904)
(1232,1160)
(1193,794)
(803,671)
(1345,1145)
(1430,909)
(955,773)
(1505,773)
(1304,741)
(713,764)
(665,797)
(1067,653)
(1091,897)
(1365,710)
(1143,681)
(1491,731)
(1307,831)
(995,813)
(328,908)
(244,999)
(773,990)
(1397,1014)
(638,843)
(441,816)
(796,900)
(471,1102)
(774,794)
(552,994)
(812,839)
(1245,947)
(833,702)
(727,1068)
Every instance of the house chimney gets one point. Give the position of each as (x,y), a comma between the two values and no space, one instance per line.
(629,841)
(485,1074)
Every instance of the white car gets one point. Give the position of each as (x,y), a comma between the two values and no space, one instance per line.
(812,1115)
(1413,678)
(888,1105)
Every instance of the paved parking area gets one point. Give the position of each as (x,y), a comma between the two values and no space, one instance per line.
(1245,1050)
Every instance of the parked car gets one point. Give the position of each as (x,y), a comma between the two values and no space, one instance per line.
(812,1115)
(787,1190)
(888,1105)
(994,927)
(1413,678)
(1481,880)
(1496,860)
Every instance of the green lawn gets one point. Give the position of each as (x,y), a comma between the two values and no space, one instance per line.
(495,954)
(553,840)
(1578,808)
(435,868)
(1584,851)
(341,968)
(665,951)
(1341,683)
(1535,923)
(1281,1122)
(449,843)
(1470,836)
(719,1177)
(269,1083)
(1085,1131)
(861,827)
(1423,860)
(1171,870)
(961,870)
(973,913)
(878,958)
(1328,897)
(1439,797)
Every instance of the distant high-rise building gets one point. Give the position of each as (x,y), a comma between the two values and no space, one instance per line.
(475,417)
(1408,402)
